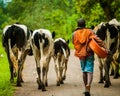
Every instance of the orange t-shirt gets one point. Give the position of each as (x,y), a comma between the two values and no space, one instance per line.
(81,38)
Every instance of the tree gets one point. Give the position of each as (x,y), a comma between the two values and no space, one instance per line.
(110,7)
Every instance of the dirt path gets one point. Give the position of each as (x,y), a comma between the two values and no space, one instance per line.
(73,85)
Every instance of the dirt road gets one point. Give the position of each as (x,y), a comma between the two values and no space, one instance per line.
(73,85)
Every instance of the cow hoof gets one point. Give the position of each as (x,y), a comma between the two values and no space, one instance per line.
(115,77)
(43,89)
(61,82)
(64,77)
(87,94)
(100,82)
(22,81)
(39,87)
(58,84)
(106,86)
(19,85)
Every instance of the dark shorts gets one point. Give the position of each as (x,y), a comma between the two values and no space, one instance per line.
(87,65)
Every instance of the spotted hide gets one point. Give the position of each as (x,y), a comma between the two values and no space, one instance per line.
(109,33)
(61,56)
(42,45)
(116,57)
(16,42)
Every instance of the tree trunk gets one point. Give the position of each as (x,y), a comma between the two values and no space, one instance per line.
(109,12)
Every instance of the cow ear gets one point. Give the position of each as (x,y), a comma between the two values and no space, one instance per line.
(53,34)
(31,31)
(68,41)
(17,23)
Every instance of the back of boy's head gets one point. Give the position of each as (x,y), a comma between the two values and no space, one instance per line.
(81,23)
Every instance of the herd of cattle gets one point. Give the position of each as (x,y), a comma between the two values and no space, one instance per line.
(19,41)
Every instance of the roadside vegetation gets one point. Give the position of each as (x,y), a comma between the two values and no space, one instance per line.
(6,89)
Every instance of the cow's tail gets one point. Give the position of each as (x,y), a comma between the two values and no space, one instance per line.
(64,52)
(41,48)
(41,42)
(12,57)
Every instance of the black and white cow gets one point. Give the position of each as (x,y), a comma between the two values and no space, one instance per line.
(42,45)
(116,57)
(61,56)
(109,33)
(115,65)
(16,42)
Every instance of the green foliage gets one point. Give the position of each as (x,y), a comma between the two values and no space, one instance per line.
(110,8)
(15,8)
(56,15)
(6,89)
(96,16)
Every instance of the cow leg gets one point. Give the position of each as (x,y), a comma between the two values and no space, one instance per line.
(58,69)
(101,72)
(37,59)
(19,78)
(47,68)
(39,78)
(38,69)
(112,69)
(65,69)
(19,74)
(46,82)
(107,78)
(24,55)
(15,52)
(57,64)
(44,74)
(21,61)
(115,66)
(10,66)
(57,74)
(11,69)
(11,74)
(61,71)
(12,56)
(116,72)
(62,67)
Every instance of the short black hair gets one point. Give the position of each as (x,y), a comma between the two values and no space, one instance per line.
(81,23)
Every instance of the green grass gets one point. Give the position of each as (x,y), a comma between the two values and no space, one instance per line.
(6,88)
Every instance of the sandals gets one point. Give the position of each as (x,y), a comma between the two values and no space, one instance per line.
(87,93)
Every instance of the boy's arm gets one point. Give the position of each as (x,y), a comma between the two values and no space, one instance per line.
(98,40)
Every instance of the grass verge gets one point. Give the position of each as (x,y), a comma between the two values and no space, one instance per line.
(6,88)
